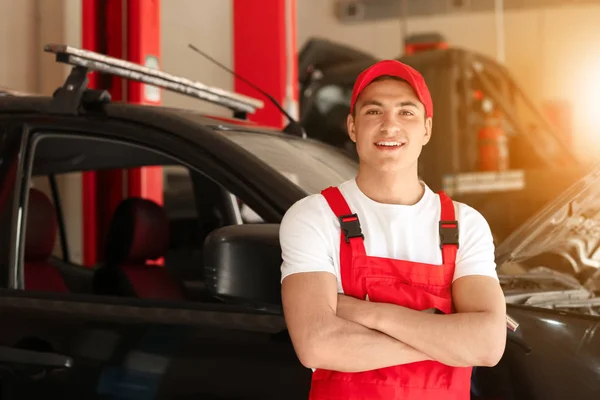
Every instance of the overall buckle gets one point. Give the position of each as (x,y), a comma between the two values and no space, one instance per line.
(448,233)
(350,226)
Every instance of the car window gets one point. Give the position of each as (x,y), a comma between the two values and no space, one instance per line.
(311,165)
(43,184)
(128,240)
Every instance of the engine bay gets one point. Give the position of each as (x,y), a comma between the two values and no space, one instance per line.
(547,288)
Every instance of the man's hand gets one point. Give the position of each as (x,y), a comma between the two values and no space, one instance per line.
(474,336)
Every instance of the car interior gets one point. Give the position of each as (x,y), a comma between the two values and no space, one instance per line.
(151,251)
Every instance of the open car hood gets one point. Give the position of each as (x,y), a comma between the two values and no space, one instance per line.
(576,212)
(319,53)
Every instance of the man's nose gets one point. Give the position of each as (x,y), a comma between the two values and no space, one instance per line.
(391,124)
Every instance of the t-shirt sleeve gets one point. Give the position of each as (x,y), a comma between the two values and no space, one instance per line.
(476,252)
(305,245)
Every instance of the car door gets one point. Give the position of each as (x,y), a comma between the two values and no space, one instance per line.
(72,341)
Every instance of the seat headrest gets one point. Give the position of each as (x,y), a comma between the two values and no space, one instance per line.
(41,227)
(139,231)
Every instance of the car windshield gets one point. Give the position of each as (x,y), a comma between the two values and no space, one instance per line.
(309,164)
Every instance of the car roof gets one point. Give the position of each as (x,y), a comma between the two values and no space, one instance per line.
(32,104)
(188,124)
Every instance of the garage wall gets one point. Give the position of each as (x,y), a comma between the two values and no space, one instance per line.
(208,25)
(17,39)
(23,34)
(547,41)
(25,66)
(550,52)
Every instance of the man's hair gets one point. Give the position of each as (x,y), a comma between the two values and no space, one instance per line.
(379,79)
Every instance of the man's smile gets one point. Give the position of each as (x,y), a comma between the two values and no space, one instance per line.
(390,144)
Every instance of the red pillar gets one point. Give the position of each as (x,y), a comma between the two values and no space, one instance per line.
(143,41)
(103,32)
(265,54)
(89,40)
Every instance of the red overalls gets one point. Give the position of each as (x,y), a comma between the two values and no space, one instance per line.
(414,285)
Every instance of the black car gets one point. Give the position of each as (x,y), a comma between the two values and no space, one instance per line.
(208,324)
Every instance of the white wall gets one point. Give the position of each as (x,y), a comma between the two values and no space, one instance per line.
(208,25)
(316,18)
(25,27)
(18,34)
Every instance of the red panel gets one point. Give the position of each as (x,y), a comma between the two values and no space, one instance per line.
(89,41)
(89,30)
(114,43)
(143,38)
(102,191)
(146,182)
(260,53)
(144,48)
(110,183)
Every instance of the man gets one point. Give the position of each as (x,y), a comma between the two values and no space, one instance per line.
(390,290)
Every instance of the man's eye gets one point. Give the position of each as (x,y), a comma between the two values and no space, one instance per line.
(406,112)
(372,112)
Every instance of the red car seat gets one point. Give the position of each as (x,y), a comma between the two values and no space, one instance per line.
(40,235)
(138,234)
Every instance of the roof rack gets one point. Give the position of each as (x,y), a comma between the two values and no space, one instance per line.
(91,61)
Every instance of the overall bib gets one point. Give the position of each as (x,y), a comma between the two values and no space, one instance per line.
(418,286)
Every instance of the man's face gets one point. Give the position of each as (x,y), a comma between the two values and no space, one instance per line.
(389,126)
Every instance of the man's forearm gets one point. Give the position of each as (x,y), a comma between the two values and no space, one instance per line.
(346,346)
(460,339)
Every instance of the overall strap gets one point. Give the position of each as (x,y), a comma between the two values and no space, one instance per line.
(448,229)
(351,237)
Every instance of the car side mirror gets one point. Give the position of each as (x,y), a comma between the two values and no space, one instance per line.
(242,264)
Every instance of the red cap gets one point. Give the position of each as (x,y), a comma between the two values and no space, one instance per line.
(397,69)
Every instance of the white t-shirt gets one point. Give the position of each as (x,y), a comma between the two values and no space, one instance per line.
(310,234)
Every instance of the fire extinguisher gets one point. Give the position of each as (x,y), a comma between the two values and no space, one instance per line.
(493,144)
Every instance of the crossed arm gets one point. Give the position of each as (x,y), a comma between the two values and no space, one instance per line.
(348,335)
(324,340)
(473,336)
(344,334)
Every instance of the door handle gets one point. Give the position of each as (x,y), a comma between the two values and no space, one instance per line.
(10,355)
(511,323)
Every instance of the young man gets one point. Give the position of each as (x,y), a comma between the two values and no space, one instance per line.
(390,290)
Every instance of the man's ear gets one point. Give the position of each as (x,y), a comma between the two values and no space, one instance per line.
(351,127)
(428,130)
